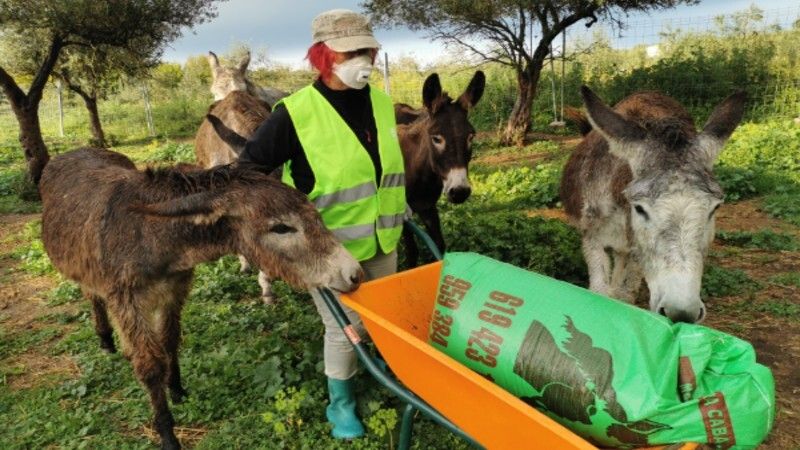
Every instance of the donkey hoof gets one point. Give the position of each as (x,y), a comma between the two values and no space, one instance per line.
(108,346)
(268,299)
(170,444)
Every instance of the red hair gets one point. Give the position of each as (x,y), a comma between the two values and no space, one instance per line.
(321,58)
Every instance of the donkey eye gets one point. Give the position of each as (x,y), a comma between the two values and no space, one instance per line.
(282,228)
(437,140)
(640,210)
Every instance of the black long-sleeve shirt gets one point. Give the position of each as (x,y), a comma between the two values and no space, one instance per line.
(275,141)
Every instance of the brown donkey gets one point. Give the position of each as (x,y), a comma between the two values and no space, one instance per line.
(131,240)
(436,144)
(229,79)
(641,190)
(240,112)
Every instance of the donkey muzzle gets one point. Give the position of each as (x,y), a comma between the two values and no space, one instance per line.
(459,194)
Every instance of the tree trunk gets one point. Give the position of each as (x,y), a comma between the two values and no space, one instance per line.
(98,136)
(30,137)
(26,109)
(519,121)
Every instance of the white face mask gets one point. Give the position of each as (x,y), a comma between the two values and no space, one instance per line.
(355,71)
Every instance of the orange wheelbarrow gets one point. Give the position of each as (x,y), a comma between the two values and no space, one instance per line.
(396,311)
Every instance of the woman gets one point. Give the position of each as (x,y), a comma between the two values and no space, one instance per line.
(337,142)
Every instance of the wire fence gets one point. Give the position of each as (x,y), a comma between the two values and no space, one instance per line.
(698,60)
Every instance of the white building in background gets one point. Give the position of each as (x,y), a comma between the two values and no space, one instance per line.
(653,51)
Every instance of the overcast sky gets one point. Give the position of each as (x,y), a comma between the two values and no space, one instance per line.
(283,28)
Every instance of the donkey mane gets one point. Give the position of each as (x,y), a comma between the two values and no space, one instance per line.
(176,181)
(674,132)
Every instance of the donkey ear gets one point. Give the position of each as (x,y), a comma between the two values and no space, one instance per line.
(230,137)
(202,208)
(431,91)
(474,91)
(213,62)
(611,125)
(242,67)
(720,125)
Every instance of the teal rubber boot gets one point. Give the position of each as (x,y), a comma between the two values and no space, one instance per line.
(341,412)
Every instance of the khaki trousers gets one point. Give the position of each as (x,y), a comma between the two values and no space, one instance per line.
(340,358)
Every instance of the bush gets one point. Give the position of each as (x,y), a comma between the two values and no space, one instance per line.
(769,147)
(784,203)
(171,152)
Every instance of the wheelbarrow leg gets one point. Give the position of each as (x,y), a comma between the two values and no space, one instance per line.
(406,427)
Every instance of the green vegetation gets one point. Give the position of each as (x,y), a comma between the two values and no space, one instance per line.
(254,372)
(721,282)
(765,240)
(787,279)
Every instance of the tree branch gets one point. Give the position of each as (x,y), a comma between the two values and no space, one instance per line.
(10,88)
(35,92)
(64,76)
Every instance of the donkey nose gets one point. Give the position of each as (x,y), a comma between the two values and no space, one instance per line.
(459,194)
(687,315)
(357,277)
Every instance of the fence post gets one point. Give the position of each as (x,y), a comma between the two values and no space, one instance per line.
(148,113)
(60,110)
(386,84)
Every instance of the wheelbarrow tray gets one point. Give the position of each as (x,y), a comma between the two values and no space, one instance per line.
(396,311)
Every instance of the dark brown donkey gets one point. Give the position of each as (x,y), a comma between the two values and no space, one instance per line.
(436,143)
(131,240)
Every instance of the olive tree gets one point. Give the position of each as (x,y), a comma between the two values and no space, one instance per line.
(141,27)
(500,31)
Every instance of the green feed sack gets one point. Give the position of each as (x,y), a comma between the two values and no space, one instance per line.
(613,373)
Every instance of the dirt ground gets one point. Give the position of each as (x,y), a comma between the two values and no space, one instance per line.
(775,338)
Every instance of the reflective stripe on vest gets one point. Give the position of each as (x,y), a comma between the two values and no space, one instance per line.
(364,216)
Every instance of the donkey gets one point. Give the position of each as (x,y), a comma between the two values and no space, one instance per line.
(436,144)
(241,112)
(641,190)
(229,79)
(131,240)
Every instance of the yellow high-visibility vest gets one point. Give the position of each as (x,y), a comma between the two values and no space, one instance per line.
(361,213)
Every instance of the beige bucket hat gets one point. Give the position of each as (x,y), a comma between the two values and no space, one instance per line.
(343,30)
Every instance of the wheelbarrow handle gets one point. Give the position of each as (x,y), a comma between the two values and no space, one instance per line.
(388,382)
(425,238)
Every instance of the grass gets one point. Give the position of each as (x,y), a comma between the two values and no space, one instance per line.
(786,279)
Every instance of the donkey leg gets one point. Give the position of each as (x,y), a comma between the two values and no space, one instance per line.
(599,265)
(151,366)
(171,339)
(244,264)
(101,324)
(267,296)
(617,286)
(410,245)
(430,218)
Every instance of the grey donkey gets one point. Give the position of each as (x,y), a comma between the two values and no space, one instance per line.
(640,188)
